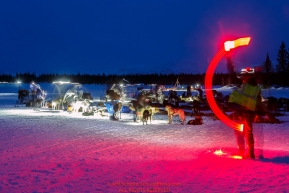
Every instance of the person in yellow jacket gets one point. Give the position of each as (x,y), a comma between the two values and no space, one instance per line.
(246,102)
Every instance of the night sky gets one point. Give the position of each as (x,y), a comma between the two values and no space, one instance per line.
(136,36)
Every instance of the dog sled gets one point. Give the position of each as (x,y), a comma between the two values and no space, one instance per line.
(152,96)
(72,98)
(115,109)
(121,92)
(23,96)
(126,98)
(114,102)
(122,99)
(129,92)
(34,98)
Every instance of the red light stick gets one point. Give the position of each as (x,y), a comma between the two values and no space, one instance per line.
(209,77)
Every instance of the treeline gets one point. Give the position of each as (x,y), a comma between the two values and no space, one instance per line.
(166,79)
(108,79)
(277,74)
(268,74)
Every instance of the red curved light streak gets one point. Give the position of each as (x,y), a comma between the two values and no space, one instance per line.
(209,77)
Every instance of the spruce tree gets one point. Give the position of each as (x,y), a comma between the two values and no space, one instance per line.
(268,71)
(281,67)
(282,59)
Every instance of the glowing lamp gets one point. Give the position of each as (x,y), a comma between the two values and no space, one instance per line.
(228,45)
(209,77)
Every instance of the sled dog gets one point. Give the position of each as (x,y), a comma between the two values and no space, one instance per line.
(175,111)
(84,105)
(55,104)
(197,121)
(146,115)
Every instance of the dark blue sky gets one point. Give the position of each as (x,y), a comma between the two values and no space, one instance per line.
(121,36)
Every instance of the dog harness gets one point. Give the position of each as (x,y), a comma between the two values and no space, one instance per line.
(173,111)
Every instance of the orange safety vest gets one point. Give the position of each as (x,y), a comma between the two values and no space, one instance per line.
(246,96)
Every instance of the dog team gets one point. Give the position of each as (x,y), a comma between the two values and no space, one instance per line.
(77,106)
(144,114)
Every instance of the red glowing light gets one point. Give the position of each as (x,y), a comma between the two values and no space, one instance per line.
(209,77)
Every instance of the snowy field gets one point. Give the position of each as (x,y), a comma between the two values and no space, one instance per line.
(54,151)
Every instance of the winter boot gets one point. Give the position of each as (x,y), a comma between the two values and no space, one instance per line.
(251,154)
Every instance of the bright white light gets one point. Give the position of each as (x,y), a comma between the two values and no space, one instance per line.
(61,82)
(229,45)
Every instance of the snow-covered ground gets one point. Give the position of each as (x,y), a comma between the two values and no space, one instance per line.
(54,151)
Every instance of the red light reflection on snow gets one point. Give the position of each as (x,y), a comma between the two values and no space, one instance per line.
(237,157)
